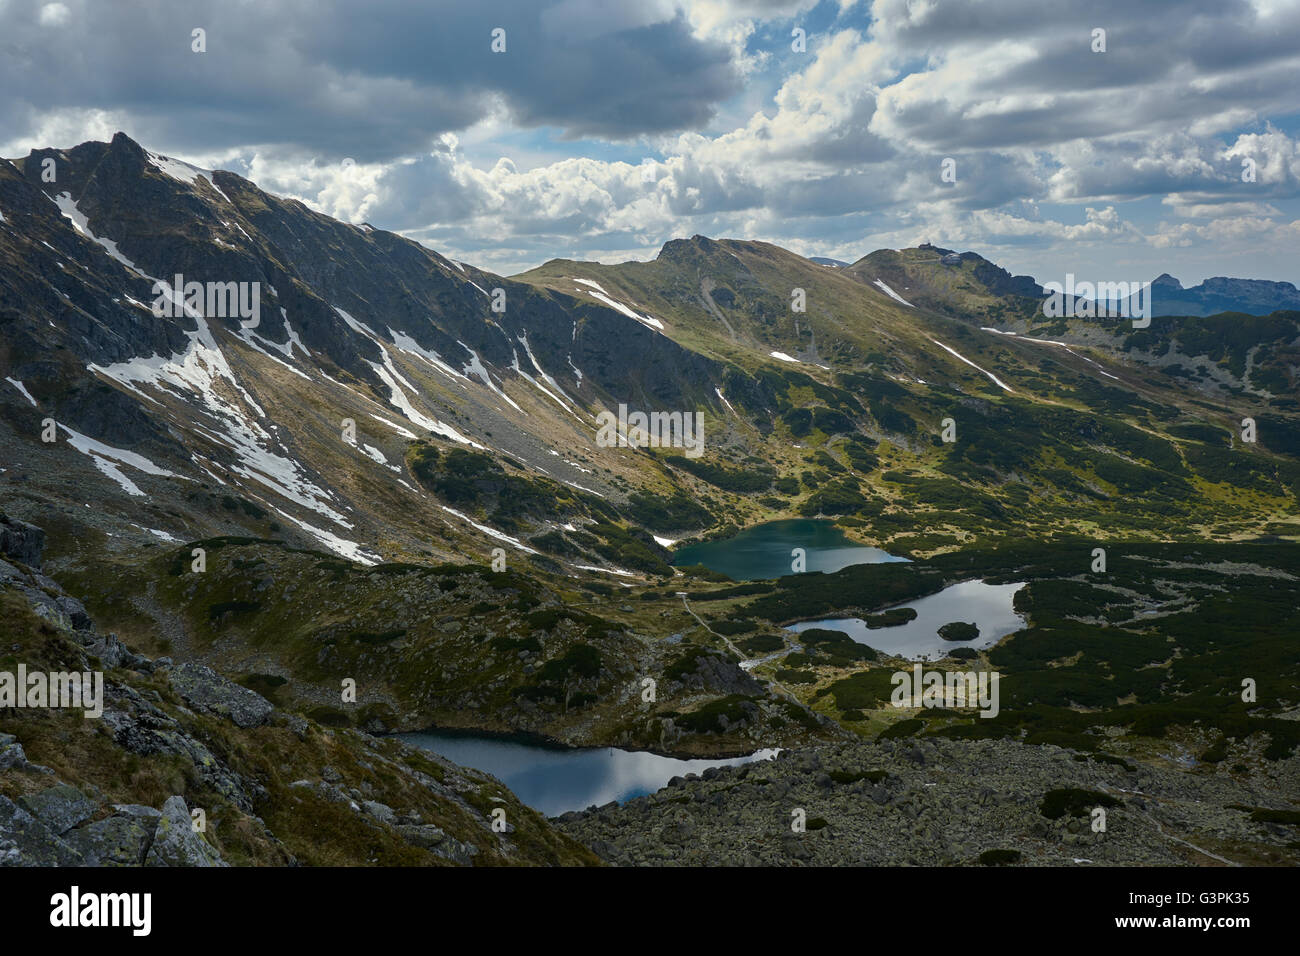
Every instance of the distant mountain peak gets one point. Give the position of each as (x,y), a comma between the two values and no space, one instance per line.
(1222,294)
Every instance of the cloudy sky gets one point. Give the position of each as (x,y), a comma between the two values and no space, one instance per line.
(607,127)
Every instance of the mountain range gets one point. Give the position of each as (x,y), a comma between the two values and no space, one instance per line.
(388,468)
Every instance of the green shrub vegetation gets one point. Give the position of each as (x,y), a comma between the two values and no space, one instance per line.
(1074,801)
(959,631)
(999,857)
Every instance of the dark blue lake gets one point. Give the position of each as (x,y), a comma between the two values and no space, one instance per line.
(555,781)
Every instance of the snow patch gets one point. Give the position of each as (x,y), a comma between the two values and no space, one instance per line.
(389,375)
(79,222)
(1030,338)
(475,367)
(546,391)
(184,172)
(601,295)
(490,532)
(108,460)
(203,370)
(252,338)
(356,326)
(22,388)
(348,549)
(405,433)
(114,472)
(407,344)
(377,456)
(89,446)
(294,341)
(993,378)
(588,567)
(892,294)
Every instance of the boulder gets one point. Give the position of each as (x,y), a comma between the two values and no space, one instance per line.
(60,807)
(176,844)
(76,612)
(381,812)
(120,840)
(11,753)
(25,841)
(456,851)
(204,688)
(113,653)
(422,835)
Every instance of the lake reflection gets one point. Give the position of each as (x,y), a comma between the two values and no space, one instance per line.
(988,605)
(554,781)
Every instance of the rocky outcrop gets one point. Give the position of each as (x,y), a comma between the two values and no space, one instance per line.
(1221,294)
(122,839)
(25,841)
(63,612)
(207,690)
(62,826)
(55,827)
(59,807)
(177,842)
(21,541)
(720,674)
(190,725)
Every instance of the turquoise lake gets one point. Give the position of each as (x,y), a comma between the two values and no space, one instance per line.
(764,551)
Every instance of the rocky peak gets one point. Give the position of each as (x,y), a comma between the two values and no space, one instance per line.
(1225,285)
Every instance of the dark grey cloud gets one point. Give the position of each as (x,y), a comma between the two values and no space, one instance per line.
(1166,65)
(371,80)
(816,149)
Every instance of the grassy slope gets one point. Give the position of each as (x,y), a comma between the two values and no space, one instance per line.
(294,822)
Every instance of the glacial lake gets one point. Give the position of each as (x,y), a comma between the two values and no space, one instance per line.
(554,781)
(989,606)
(763,551)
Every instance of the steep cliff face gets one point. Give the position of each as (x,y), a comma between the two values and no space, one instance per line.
(185,329)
